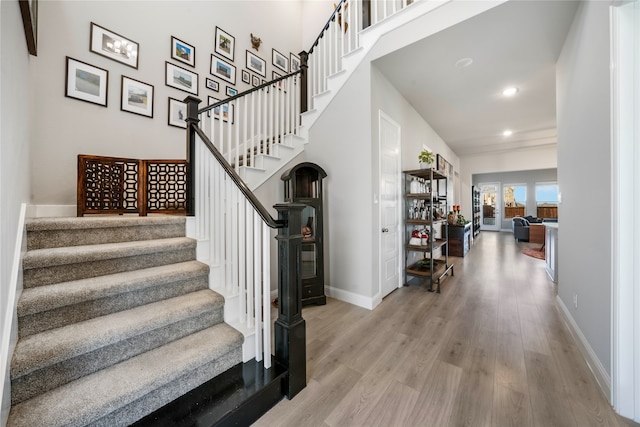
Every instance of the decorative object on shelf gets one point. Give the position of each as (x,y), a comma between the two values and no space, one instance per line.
(222,69)
(212,84)
(225,44)
(425,158)
(113,46)
(29,12)
(256,64)
(136,97)
(183,52)
(279,60)
(303,184)
(177,113)
(181,78)
(86,82)
(255,41)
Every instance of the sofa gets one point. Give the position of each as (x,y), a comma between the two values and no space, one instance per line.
(520,227)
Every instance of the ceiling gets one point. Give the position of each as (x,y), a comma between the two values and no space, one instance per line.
(514,44)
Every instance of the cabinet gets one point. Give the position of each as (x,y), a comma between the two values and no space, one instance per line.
(303,184)
(426,228)
(475,209)
(459,239)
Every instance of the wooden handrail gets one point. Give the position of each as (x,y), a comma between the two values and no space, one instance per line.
(326,26)
(257,205)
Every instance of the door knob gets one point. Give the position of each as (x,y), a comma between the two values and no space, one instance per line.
(385,230)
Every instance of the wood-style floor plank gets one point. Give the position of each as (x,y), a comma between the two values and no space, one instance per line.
(490,350)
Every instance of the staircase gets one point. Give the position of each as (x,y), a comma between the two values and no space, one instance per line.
(116,320)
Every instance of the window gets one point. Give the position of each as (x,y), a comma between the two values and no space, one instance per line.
(547,200)
(515,200)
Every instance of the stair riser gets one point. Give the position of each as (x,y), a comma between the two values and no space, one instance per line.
(62,316)
(43,239)
(42,380)
(84,270)
(169,392)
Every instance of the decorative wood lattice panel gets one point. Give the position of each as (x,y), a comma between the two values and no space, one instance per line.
(166,186)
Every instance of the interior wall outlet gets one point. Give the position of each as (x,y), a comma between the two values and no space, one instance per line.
(575,301)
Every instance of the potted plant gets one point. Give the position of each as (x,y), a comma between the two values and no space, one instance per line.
(425,158)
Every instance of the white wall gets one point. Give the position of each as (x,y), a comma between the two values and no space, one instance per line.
(584,176)
(16,93)
(67,127)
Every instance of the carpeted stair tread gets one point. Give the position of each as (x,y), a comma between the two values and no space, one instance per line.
(40,258)
(42,298)
(50,347)
(59,232)
(52,306)
(92,398)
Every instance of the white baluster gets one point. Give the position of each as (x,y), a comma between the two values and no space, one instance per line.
(252,127)
(242,260)
(266,301)
(250,267)
(258,286)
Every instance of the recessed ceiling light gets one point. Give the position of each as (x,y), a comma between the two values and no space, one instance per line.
(510,91)
(507,132)
(463,62)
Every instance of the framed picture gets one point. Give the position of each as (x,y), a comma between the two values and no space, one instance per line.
(280,84)
(225,110)
(177,113)
(114,46)
(29,12)
(442,165)
(183,52)
(256,64)
(255,81)
(280,61)
(225,44)
(86,82)
(246,77)
(136,97)
(231,91)
(222,69)
(212,84)
(294,60)
(181,78)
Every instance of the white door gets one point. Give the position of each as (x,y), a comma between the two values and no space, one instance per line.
(490,218)
(390,183)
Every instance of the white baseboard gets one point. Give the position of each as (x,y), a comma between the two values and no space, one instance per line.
(10,322)
(351,298)
(599,372)
(45,211)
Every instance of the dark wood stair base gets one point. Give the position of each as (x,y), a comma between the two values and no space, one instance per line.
(237,397)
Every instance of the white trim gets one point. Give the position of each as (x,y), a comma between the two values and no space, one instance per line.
(355,299)
(42,211)
(599,372)
(625,179)
(10,324)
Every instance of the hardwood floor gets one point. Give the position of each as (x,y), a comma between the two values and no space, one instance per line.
(490,350)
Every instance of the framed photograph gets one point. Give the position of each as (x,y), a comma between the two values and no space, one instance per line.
(114,46)
(136,97)
(212,84)
(177,113)
(86,82)
(280,84)
(255,81)
(222,69)
(280,61)
(225,44)
(231,91)
(294,61)
(442,165)
(225,110)
(183,52)
(246,77)
(181,78)
(256,64)
(29,12)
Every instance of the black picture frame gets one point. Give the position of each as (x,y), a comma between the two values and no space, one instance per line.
(86,82)
(223,69)
(183,52)
(136,97)
(246,77)
(114,46)
(212,84)
(180,78)
(279,60)
(224,44)
(29,12)
(177,113)
(229,91)
(256,64)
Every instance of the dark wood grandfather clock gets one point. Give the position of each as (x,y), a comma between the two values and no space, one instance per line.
(303,184)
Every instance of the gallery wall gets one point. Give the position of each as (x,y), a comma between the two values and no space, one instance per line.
(68,127)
